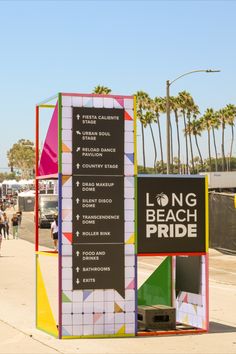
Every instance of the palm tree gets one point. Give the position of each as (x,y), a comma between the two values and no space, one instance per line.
(231,114)
(185,100)
(215,123)
(198,164)
(170,127)
(175,104)
(149,118)
(143,101)
(222,115)
(176,165)
(206,124)
(101,90)
(194,110)
(195,129)
(157,105)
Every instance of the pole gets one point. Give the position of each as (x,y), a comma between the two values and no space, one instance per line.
(168,126)
(36,206)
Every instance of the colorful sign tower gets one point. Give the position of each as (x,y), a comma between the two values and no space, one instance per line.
(96,170)
(108,217)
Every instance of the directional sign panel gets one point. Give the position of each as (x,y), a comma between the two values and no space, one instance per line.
(98,267)
(98,141)
(97,213)
(98,209)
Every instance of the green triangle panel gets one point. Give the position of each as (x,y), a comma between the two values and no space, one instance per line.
(157,288)
(65,298)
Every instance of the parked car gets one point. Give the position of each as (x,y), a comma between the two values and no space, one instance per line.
(48,207)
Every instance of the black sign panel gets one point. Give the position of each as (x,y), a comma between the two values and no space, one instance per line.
(98,266)
(98,141)
(98,209)
(186,266)
(171,214)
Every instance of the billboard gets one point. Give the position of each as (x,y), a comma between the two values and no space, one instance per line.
(171,214)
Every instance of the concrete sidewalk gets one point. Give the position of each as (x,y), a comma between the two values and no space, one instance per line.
(17,318)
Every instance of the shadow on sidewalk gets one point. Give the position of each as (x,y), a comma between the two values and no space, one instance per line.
(216,327)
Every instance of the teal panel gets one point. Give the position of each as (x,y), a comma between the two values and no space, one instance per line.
(157,288)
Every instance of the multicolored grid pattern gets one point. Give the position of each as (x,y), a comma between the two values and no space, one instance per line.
(191,308)
(98,312)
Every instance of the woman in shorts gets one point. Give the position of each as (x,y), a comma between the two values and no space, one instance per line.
(54,231)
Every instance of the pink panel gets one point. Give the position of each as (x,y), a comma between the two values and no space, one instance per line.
(48,164)
(120,101)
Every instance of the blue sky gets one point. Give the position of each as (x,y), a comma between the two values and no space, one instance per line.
(72,46)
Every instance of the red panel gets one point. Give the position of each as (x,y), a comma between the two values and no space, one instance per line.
(161,333)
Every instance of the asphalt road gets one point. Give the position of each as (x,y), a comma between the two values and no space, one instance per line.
(222,267)
(222,272)
(27,231)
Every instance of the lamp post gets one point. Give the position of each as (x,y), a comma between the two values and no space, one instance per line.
(168,83)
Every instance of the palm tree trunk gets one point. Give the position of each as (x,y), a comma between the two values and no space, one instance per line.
(171,146)
(160,140)
(231,146)
(209,148)
(191,146)
(214,140)
(223,146)
(199,151)
(178,141)
(143,143)
(155,148)
(186,141)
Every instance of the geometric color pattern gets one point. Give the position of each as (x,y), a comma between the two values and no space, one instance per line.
(105,313)
(48,164)
(191,308)
(45,319)
(98,313)
(157,288)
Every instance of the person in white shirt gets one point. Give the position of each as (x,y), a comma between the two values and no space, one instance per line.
(54,231)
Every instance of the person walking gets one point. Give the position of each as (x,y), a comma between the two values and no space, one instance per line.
(14,222)
(1,224)
(19,215)
(6,226)
(54,231)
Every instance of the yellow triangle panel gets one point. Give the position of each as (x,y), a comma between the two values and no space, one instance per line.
(121,330)
(45,319)
(130,240)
